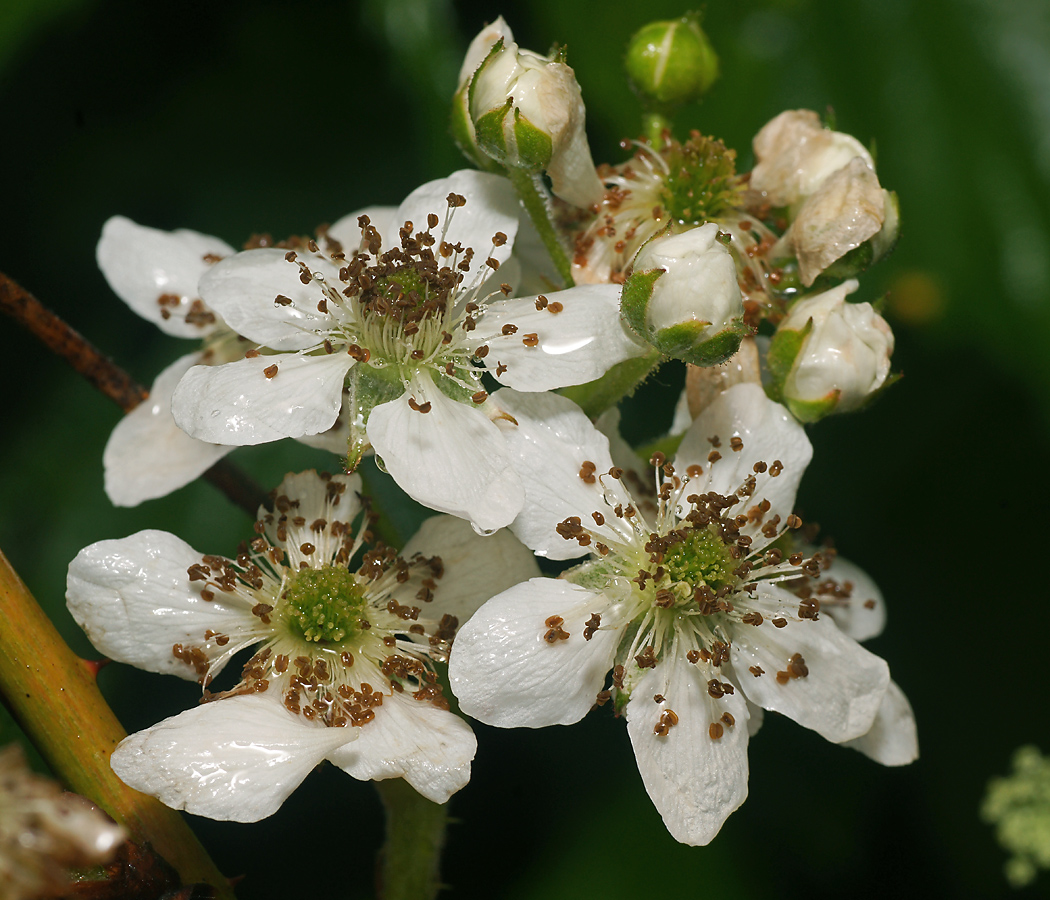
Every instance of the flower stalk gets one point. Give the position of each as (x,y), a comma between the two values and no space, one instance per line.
(53,696)
(111,380)
(536,206)
(415,836)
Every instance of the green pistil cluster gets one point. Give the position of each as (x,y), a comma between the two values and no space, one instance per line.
(702,183)
(324,605)
(703,558)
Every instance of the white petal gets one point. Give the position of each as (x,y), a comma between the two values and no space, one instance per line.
(348,232)
(576,345)
(236,759)
(769,433)
(309,493)
(148,455)
(238,404)
(475,568)
(141,264)
(694,781)
(551,441)
(134,600)
(451,459)
(430,748)
(892,739)
(492,206)
(840,696)
(861,615)
(503,671)
(243,288)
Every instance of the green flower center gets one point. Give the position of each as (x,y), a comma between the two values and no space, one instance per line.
(701,558)
(702,182)
(324,605)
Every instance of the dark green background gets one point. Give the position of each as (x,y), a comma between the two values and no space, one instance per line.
(233,118)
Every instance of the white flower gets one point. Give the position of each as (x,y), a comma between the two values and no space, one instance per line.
(795,154)
(45,832)
(842,353)
(401,326)
(342,667)
(683,297)
(527,112)
(687,610)
(156,273)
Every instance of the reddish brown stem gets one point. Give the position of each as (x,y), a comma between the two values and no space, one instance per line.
(111,380)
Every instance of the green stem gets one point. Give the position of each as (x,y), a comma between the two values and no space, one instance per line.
(415,836)
(54,698)
(535,203)
(595,397)
(655,124)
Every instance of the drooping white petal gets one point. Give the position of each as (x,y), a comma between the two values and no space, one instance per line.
(475,568)
(840,696)
(451,458)
(892,739)
(693,780)
(552,440)
(135,601)
(348,232)
(141,264)
(148,455)
(236,759)
(243,290)
(430,748)
(505,673)
(492,206)
(239,404)
(579,343)
(861,614)
(769,433)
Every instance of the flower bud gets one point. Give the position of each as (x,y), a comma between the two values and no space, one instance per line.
(683,297)
(670,63)
(527,112)
(829,355)
(795,154)
(462,125)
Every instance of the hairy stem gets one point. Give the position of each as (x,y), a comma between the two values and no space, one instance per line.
(415,836)
(53,696)
(535,203)
(111,380)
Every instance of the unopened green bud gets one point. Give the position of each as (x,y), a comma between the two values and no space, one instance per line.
(670,63)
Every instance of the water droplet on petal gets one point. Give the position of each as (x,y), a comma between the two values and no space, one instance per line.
(381,465)
(484,532)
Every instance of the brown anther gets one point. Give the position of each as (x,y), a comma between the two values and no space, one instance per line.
(736,444)
(531,340)
(420,408)
(779,622)
(716,731)
(270,371)
(479,396)
(555,632)
(556,307)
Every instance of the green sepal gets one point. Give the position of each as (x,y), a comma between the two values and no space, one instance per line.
(783,351)
(634,300)
(715,350)
(814,410)
(488,129)
(533,145)
(366,389)
(595,397)
(849,265)
(667,445)
(462,131)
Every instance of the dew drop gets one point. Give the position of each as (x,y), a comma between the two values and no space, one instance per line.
(381,465)
(484,532)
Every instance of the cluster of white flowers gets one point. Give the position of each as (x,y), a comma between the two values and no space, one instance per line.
(431,336)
